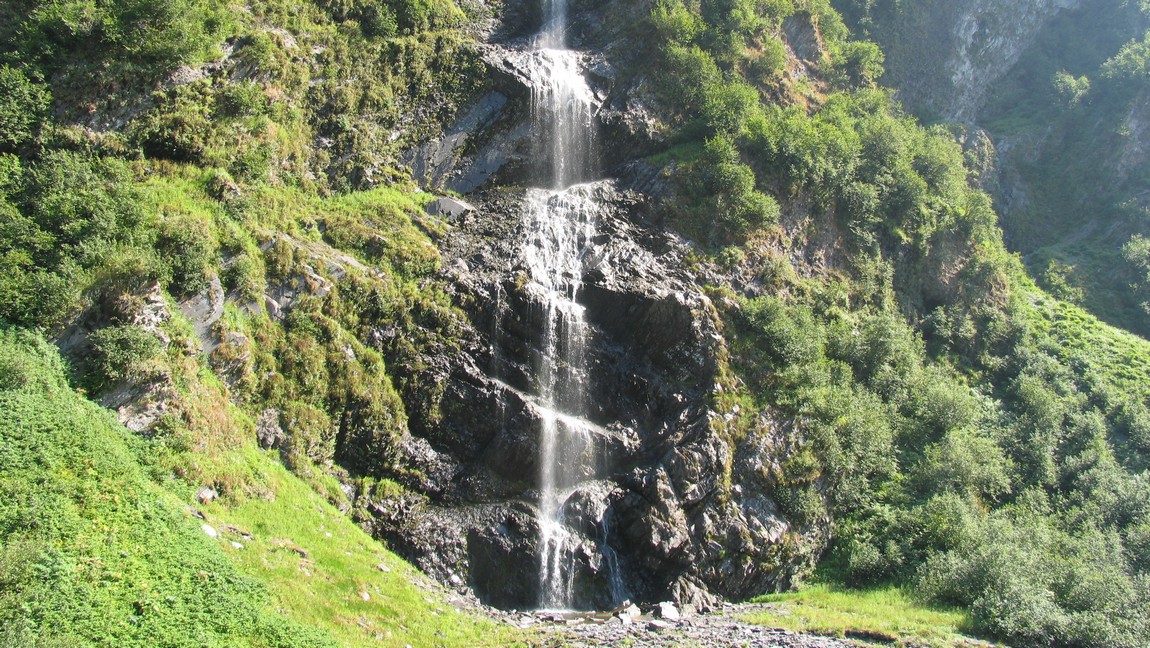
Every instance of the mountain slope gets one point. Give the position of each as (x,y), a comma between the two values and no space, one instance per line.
(805,340)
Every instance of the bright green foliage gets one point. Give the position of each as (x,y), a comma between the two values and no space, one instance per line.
(724,190)
(879,614)
(91,551)
(1132,62)
(1071,88)
(342,564)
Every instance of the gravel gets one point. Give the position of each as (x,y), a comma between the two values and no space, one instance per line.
(723,628)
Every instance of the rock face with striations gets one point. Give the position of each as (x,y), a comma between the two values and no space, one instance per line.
(659,515)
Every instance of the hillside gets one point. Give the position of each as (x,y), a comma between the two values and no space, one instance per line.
(1051,97)
(566,304)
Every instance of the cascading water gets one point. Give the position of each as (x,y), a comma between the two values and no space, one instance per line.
(560,220)
(560,228)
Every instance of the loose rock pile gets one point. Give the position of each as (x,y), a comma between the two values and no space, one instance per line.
(664,625)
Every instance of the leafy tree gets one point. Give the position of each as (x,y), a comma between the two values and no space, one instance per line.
(1072,89)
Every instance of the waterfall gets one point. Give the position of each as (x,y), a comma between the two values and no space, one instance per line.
(560,221)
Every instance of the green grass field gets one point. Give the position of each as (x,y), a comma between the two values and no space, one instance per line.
(881,616)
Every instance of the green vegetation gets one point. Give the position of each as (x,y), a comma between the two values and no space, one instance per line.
(878,616)
(972,441)
(92,551)
(1069,110)
(988,456)
(264,166)
(97,547)
(324,571)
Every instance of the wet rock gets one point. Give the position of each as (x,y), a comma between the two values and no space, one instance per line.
(653,507)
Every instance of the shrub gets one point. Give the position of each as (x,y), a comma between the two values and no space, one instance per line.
(310,436)
(23,106)
(675,23)
(788,334)
(36,298)
(155,35)
(123,352)
(178,132)
(860,63)
(769,63)
(78,199)
(242,99)
(189,246)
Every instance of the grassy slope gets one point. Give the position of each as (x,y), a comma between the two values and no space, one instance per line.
(347,583)
(96,552)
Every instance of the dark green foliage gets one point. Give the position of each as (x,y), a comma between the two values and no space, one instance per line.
(178,129)
(244,99)
(1035,585)
(71,214)
(1017,507)
(1136,252)
(152,35)
(123,352)
(187,245)
(23,106)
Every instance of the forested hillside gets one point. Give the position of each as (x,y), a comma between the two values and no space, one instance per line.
(810,353)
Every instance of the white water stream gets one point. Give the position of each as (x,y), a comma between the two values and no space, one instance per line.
(560,220)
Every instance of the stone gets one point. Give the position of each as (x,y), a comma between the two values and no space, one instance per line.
(269,434)
(210,531)
(654,510)
(273,308)
(206,494)
(449,207)
(666,610)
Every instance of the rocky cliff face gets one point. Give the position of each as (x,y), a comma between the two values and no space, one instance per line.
(947,55)
(673,505)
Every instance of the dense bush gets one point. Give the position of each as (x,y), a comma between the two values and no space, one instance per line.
(123,352)
(188,246)
(23,106)
(152,35)
(1015,506)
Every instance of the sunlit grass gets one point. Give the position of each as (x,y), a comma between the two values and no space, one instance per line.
(883,615)
(323,571)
